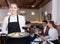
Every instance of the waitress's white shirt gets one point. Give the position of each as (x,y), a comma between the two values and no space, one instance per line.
(52,34)
(13,19)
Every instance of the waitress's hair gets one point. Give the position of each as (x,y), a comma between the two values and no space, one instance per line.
(53,24)
(13,3)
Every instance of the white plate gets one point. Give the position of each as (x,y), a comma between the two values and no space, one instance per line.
(18,34)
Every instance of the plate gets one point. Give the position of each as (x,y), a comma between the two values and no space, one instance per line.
(18,34)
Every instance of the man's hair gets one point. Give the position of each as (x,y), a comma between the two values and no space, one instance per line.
(27,22)
(45,21)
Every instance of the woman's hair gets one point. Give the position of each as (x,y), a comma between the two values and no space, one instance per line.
(53,24)
(13,3)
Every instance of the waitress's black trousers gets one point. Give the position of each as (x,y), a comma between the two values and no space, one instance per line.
(15,41)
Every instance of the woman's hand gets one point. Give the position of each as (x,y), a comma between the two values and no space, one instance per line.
(43,38)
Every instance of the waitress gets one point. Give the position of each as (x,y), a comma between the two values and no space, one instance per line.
(14,22)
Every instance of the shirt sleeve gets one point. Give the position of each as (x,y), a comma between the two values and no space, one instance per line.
(4,25)
(22,23)
(53,35)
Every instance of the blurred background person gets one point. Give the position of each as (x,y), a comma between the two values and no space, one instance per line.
(27,26)
(34,33)
(52,33)
(45,28)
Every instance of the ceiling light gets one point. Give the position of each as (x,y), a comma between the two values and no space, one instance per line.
(46,13)
(33,6)
(22,11)
(32,13)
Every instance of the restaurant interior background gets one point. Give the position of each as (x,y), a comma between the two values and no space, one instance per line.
(33,10)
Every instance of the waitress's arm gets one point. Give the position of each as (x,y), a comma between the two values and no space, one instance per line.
(4,25)
(22,23)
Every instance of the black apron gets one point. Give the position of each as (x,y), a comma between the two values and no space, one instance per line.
(13,26)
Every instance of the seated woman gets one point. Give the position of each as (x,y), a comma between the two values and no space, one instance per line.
(52,33)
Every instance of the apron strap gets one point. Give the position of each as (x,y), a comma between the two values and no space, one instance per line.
(18,22)
(17,19)
(9,19)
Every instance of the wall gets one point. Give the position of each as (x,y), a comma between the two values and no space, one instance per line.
(54,11)
(58,12)
(32,17)
(47,7)
(36,17)
(3,13)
